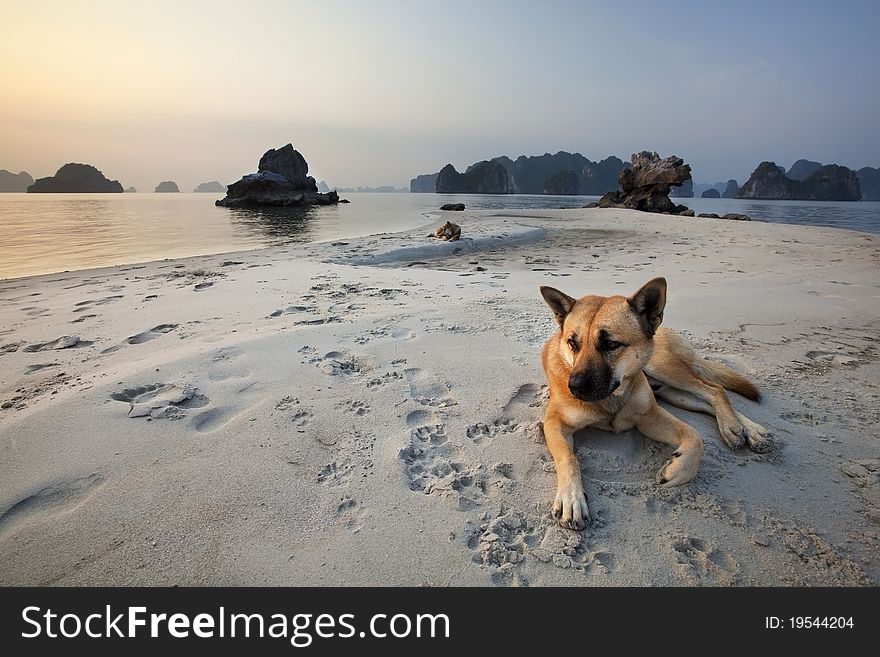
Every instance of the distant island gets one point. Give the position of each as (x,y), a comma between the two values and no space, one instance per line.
(725,190)
(528,175)
(802,168)
(425,183)
(384,189)
(212,187)
(830,182)
(167,187)
(487,177)
(75,178)
(282,179)
(131,190)
(869,178)
(15,182)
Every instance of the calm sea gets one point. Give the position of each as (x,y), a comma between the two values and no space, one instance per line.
(43,233)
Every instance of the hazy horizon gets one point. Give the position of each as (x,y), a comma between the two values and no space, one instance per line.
(375,94)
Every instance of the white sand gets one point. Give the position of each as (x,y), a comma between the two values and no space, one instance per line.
(329,414)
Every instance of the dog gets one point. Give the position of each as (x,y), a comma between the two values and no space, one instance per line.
(448,231)
(606,365)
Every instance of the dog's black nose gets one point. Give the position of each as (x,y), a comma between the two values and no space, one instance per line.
(586,386)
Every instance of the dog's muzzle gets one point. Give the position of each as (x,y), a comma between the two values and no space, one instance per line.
(587,388)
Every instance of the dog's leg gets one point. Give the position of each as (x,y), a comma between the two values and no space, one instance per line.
(679,375)
(570,508)
(661,425)
(758,437)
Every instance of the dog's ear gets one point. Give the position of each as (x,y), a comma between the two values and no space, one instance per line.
(559,302)
(648,304)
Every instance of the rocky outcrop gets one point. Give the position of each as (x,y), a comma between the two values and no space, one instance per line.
(323,187)
(381,189)
(167,187)
(281,180)
(646,185)
(711,193)
(131,190)
(74,178)
(828,183)
(563,183)
(735,216)
(15,182)
(212,187)
(485,177)
(802,168)
(731,190)
(832,182)
(426,182)
(453,207)
(288,163)
(767,182)
(869,181)
(685,191)
(529,174)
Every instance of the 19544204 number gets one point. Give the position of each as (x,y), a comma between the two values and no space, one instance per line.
(809,622)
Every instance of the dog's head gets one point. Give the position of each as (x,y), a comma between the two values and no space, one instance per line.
(605,341)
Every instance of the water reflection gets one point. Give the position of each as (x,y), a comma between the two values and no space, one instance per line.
(276,226)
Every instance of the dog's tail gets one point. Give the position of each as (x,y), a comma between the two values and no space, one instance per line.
(729,378)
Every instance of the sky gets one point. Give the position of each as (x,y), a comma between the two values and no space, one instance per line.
(374,93)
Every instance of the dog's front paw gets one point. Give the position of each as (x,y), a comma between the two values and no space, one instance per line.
(732,433)
(758,438)
(681,468)
(570,508)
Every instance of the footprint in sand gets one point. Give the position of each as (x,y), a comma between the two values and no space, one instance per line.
(302,418)
(431,464)
(292,309)
(335,363)
(88,303)
(336,473)
(427,389)
(355,406)
(36,367)
(64,342)
(209,420)
(529,395)
(480,431)
(419,418)
(51,499)
(375,382)
(152,334)
(160,400)
(351,514)
(32,311)
(223,365)
(701,564)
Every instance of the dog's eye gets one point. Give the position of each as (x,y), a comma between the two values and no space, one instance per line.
(573,343)
(611,345)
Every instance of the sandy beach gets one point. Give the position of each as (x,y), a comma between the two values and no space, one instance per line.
(367,412)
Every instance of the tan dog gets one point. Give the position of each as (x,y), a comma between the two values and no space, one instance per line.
(448,231)
(604,366)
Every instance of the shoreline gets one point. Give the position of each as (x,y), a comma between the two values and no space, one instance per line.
(428,225)
(364,231)
(366,413)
